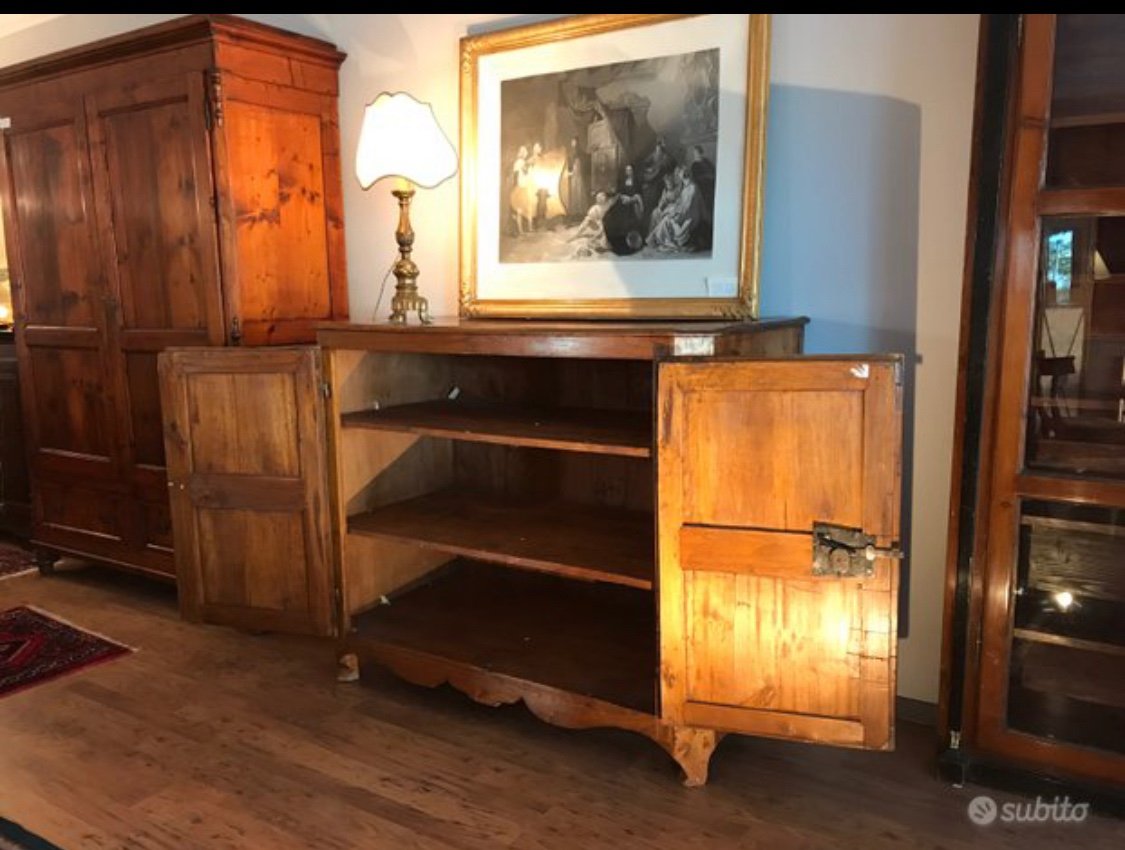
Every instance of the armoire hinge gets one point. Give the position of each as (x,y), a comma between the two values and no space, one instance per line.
(215,98)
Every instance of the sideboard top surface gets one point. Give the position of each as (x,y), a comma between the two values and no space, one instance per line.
(610,340)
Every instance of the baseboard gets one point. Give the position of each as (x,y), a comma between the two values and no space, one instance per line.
(916,711)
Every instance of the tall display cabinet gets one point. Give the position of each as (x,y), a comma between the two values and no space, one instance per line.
(178,185)
(1034,662)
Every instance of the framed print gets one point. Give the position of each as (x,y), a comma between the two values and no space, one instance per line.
(611,167)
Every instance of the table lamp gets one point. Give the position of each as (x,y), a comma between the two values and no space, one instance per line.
(401,138)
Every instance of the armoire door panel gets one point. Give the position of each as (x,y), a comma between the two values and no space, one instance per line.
(82,510)
(58,271)
(157,519)
(244,434)
(143,387)
(280,216)
(750,455)
(151,161)
(68,402)
(141,392)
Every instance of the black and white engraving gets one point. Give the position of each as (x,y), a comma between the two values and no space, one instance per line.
(612,161)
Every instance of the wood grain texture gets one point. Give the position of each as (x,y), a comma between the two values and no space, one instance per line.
(750,455)
(115,173)
(607,340)
(280,229)
(507,621)
(208,738)
(15,483)
(372,469)
(567,539)
(1004,483)
(574,429)
(245,435)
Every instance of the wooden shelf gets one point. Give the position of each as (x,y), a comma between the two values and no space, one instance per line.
(611,432)
(479,621)
(577,541)
(1036,521)
(1093,119)
(1037,636)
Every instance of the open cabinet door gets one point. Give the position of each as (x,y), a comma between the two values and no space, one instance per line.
(244,437)
(759,633)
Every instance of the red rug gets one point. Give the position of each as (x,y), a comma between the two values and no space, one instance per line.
(35,647)
(14,561)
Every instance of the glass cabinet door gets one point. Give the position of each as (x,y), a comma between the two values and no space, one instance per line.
(1052,683)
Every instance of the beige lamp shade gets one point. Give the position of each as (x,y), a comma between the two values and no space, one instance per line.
(401,137)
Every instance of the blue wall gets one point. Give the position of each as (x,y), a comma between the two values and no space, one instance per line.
(840,240)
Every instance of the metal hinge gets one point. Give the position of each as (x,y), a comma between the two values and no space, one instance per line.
(899,369)
(5,123)
(954,739)
(326,389)
(842,551)
(235,331)
(215,98)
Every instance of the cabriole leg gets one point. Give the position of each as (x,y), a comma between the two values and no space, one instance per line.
(692,749)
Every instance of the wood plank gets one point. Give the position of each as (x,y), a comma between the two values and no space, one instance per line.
(215,491)
(489,618)
(211,738)
(1084,558)
(609,432)
(588,543)
(1098,119)
(776,724)
(763,553)
(1091,491)
(1080,201)
(610,341)
(1037,636)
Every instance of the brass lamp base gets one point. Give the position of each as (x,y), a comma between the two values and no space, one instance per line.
(406,299)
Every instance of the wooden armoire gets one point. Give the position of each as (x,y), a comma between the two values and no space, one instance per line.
(1034,655)
(178,185)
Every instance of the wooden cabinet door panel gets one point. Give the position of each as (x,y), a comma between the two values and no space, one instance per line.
(59,290)
(244,435)
(750,455)
(277,160)
(151,162)
(150,154)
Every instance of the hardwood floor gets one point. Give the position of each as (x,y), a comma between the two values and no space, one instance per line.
(209,738)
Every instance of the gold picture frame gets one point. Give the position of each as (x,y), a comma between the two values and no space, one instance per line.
(736,298)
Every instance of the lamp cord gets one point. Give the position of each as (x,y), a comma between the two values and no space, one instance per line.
(382,291)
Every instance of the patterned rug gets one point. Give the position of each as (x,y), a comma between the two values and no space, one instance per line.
(35,647)
(15,837)
(14,561)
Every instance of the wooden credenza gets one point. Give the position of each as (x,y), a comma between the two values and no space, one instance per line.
(178,185)
(611,523)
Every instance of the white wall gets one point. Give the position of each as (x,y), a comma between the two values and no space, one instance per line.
(865,209)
